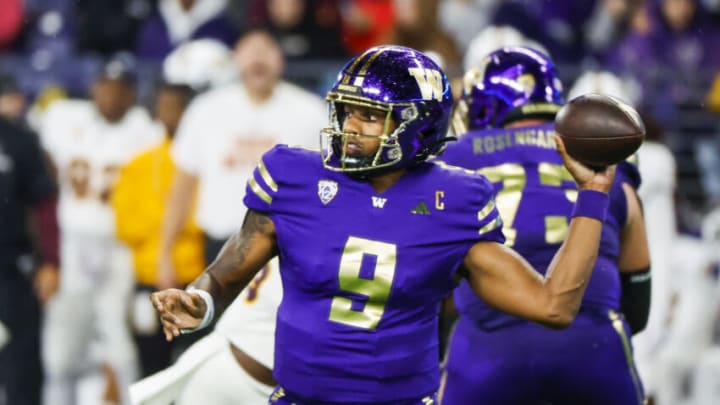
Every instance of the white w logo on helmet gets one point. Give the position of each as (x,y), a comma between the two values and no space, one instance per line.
(430,82)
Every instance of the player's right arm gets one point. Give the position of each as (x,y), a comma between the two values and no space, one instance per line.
(243,255)
(505,280)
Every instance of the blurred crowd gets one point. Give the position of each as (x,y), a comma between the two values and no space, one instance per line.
(153,113)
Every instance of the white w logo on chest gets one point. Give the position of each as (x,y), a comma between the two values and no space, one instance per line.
(378,202)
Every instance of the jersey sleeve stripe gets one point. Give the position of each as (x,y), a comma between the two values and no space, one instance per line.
(255,187)
(486,210)
(497,223)
(266,177)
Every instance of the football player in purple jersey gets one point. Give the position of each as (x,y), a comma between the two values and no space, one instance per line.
(371,235)
(508,103)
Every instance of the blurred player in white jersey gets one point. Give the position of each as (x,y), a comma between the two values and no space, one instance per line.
(233,364)
(221,137)
(657,168)
(88,141)
(706,384)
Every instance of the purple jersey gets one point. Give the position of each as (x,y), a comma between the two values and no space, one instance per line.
(363,273)
(535,197)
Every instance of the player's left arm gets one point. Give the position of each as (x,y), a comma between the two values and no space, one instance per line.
(634,264)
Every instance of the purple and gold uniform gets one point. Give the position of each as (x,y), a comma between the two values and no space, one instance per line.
(363,274)
(495,358)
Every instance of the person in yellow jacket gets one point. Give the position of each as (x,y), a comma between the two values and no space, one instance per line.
(139,199)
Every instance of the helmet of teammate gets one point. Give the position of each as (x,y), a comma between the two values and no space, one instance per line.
(413,91)
(510,83)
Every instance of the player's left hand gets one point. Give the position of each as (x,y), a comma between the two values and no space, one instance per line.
(586,178)
(178,310)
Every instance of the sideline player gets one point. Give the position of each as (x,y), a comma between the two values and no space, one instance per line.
(362,275)
(234,363)
(88,141)
(496,358)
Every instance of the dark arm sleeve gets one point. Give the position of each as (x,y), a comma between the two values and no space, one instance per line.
(46,229)
(40,194)
(635,300)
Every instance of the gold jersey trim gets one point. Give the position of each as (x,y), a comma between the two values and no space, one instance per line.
(255,187)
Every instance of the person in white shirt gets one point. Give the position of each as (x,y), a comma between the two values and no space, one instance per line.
(88,141)
(221,139)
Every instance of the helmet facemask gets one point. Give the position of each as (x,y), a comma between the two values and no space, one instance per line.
(389,154)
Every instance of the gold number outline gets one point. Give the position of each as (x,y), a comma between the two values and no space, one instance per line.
(513,177)
(377,289)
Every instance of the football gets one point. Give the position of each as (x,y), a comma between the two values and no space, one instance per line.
(599,130)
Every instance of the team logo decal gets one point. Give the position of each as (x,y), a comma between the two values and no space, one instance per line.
(327,190)
(430,82)
(527,84)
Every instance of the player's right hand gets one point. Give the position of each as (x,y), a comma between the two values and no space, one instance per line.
(178,309)
(585,177)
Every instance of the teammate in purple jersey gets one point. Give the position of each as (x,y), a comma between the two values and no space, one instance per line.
(371,236)
(495,358)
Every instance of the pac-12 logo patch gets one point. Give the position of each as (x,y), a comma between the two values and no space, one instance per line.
(327,190)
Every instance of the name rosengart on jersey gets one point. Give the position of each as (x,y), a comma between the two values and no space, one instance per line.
(520,137)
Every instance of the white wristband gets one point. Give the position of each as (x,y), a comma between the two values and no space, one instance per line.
(209,308)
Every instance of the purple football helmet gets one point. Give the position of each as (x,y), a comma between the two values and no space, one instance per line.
(412,90)
(508,84)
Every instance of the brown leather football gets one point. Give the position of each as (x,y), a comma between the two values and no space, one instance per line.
(599,130)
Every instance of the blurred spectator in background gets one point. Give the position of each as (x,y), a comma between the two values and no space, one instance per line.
(201,64)
(221,138)
(108,26)
(417,26)
(608,24)
(88,142)
(658,191)
(232,364)
(366,23)
(11,19)
(305,29)
(495,37)
(12,100)
(139,200)
(705,388)
(220,141)
(463,19)
(691,320)
(179,21)
(489,39)
(708,150)
(556,24)
(671,49)
(28,256)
